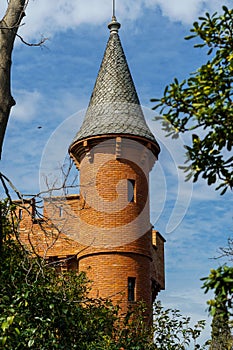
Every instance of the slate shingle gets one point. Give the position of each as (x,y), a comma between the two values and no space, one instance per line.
(114,106)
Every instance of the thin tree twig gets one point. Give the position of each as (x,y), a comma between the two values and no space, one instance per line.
(40,43)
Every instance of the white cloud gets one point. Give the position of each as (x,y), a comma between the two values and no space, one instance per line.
(180,10)
(48,17)
(26,106)
(186,11)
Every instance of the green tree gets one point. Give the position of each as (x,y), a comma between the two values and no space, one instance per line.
(203,103)
(174,331)
(43,309)
(221,307)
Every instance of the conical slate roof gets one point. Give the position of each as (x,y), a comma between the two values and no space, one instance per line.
(114,106)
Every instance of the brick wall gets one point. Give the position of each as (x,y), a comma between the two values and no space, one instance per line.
(102,231)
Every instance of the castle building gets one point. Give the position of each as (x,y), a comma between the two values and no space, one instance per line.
(105,230)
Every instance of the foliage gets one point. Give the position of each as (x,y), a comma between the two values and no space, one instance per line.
(174,331)
(43,309)
(221,282)
(204,103)
(171,331)
(220,335)
(130,331)
(221,307)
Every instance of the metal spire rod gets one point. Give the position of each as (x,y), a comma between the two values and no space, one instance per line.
(114,9)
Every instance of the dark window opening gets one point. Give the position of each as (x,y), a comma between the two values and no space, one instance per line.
(20,214)
(60,212)
(131,288)
(131,190)
(154,289)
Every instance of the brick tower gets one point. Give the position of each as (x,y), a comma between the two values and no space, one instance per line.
(105,230)
(114,151)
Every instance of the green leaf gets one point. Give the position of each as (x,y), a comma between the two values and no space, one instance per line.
(190,37)
(3,340)
(17,330)
(223,191)
(31,343)
(225,8)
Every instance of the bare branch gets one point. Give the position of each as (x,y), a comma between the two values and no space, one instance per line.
(226,252)
(3,178)
(40,43)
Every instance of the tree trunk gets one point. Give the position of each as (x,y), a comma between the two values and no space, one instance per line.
(8,29)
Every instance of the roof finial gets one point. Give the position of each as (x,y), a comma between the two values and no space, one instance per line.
(114,9)
(114,25)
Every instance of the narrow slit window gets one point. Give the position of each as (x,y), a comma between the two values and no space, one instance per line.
(20,214)
(131,184)
(131,288)
(60,212)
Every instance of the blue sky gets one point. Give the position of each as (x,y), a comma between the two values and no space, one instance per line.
(52,87)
